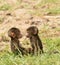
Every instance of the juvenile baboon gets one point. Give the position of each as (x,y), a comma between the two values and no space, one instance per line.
(32,34)
(16,47)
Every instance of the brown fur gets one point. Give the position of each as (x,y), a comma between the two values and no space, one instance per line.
(15,34)
(32,34)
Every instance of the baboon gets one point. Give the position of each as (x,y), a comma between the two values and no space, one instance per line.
(32,34)
(16,47)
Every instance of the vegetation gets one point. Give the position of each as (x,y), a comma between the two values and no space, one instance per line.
(51,42)
(51,7)
(51,55)
(5,7)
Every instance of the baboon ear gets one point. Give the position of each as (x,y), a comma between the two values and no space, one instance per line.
(35,31)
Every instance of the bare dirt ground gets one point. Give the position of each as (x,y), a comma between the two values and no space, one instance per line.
(48,25)
(22,20)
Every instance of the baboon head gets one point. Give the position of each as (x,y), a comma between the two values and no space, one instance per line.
(32,31)
(14,33)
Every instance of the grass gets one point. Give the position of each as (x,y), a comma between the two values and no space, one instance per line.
(51,7)
(51,45)
(5,7)
(47,6)
(43,59)
(48,58)
(1,19)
